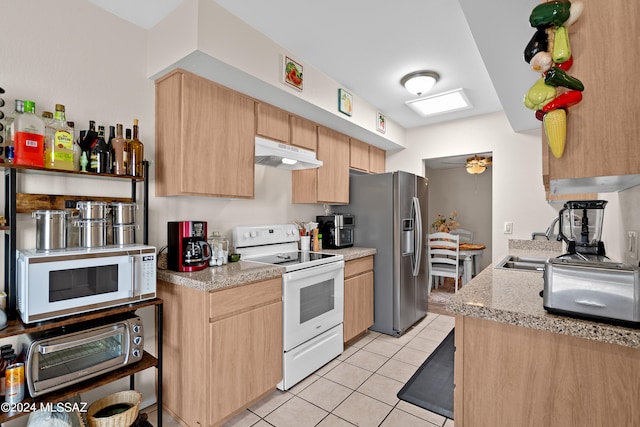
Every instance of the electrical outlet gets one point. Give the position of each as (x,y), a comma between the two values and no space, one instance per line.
(508,227)
(632,245)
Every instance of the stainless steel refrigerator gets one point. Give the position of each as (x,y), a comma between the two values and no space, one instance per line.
(390,213)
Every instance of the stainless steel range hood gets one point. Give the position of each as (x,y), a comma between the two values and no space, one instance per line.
(279,155)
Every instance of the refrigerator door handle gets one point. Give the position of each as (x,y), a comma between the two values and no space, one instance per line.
(417,220)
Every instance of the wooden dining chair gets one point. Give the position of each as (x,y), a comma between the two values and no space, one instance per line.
(443,253)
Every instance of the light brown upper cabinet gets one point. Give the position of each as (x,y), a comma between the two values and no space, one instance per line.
(602,130)
(280,125)
(377,159)
(330,182)
(272,122)
(359,157)
(366,158)
(205,138)
(303,133)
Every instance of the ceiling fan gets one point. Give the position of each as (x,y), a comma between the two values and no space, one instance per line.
(477,164)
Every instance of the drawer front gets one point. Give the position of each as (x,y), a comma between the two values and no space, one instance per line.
(227,302)
(358,266)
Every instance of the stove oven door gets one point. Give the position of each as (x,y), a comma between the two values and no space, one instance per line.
(313,301)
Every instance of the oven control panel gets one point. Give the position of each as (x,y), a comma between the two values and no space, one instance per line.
(244,236)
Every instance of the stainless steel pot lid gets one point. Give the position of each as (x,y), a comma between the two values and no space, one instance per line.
(49,212)
(89,203)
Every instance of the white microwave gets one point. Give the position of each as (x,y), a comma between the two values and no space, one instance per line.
(54,284)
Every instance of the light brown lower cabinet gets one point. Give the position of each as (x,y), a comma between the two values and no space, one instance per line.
(509,375)
(358,297)
(222,349)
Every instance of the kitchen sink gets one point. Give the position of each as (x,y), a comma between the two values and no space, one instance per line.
(522,263)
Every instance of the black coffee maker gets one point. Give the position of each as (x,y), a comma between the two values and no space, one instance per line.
(188,249)
(581,226)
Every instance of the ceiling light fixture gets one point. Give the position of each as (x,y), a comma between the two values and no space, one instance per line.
(419,82)
(446,102)
(476,164)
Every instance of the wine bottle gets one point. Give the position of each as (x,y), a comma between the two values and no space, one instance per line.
(127,138)
(112,136)
(136,152)
(119,152)
(100,157)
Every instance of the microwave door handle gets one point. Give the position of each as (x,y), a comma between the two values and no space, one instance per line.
(52,348)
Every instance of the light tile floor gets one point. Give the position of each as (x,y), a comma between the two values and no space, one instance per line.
(358,388)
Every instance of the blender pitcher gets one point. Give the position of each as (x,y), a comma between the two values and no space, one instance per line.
(581,226)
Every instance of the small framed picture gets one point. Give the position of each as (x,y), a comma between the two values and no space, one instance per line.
(381,125)
(292,73)
(345,102)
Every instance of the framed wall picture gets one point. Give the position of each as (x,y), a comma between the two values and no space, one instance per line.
(381,125)
(292,73)
(345,102)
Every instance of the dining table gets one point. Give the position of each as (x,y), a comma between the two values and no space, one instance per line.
(469,251)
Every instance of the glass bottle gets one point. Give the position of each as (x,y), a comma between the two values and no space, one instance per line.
(119,145)
(58,150)
(100,157)
(77,151)
(127,138)
(136,152)
(29,137)
(10,131)
(92,155)
(112,135)
(47,118)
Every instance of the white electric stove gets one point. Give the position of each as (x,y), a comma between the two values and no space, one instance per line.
(312,296)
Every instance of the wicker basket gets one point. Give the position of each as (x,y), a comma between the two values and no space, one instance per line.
(123,419)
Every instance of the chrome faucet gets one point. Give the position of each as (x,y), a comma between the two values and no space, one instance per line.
(549,233)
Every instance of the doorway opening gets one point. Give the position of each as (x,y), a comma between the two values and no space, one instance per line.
(453,190)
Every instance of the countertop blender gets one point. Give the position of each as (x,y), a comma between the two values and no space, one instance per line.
(581,228)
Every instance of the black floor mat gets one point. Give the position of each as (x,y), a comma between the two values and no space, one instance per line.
(431,387)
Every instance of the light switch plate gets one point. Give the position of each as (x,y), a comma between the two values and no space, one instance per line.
(508,227)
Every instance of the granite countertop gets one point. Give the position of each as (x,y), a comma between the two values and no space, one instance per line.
(351,253)
(513,297)
(238,273)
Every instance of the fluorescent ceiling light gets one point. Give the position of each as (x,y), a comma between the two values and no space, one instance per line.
(446,102)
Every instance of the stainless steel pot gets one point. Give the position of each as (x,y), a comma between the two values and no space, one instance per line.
(51,229)
(123,212)
(90,209)
(124,234)
(93,232)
